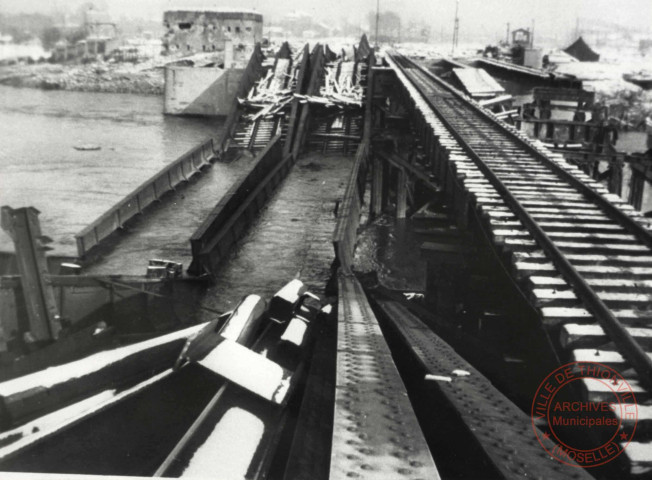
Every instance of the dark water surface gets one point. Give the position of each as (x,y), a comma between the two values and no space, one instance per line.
(39,166)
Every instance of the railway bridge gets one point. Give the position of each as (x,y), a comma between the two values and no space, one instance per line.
(496,263)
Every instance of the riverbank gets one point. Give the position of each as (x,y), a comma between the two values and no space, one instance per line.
(94,77)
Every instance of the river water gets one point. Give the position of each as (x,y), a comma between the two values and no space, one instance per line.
(40,167)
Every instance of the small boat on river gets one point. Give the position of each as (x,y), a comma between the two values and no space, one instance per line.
(87,147)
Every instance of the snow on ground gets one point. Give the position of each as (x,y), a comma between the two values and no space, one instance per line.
(606,79)
(11,51)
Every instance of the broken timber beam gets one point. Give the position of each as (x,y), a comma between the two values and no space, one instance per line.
(336,136)
(401,164)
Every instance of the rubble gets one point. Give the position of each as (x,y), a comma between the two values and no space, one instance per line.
(271,94)
(93,77)
(629,107)
(341,90)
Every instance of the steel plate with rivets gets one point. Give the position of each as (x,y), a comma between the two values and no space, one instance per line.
(502,430)
(375,432)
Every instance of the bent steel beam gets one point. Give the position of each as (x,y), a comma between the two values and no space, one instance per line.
(23,226)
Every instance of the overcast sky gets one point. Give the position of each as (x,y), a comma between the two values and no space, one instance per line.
(483,16)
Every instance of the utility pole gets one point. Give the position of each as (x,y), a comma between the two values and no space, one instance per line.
(532,35)
(456,29)
(377,19)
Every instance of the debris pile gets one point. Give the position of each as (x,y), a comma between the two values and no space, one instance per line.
(628,108)
(341,87)
(92,77)
(272,93)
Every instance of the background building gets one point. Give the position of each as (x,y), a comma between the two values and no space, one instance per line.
(207,30)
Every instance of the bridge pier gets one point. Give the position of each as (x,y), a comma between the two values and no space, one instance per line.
(447,275)
(637,188)
(377,187)
(401,193)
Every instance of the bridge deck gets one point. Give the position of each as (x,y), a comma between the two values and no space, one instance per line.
(292,236)
(165,230)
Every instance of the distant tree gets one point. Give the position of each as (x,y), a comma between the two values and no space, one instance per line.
(349,28)
(24,26)
(50,36)
(416,31)
(389,26)
(19,35)
(77,35)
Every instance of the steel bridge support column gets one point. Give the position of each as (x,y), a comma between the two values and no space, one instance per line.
(401,193)
(616,179)
(23,227)
(461,202)
(377,187)
(636,189)
(442,167)
(387,185)
(428,146)
(447,275)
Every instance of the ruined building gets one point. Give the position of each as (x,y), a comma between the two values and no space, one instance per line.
(209,29)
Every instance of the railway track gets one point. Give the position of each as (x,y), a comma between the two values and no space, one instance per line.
(581,255)
(341,130)
(256,134)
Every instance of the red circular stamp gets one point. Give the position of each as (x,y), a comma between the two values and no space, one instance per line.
(584,433)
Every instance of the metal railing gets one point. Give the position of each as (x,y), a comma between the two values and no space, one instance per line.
(147,193)
(348,219)
(177,172)
(230,218)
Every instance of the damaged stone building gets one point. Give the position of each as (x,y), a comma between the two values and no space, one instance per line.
(209,29)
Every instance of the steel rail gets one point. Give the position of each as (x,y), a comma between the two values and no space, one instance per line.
(628,347)
(611,210)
